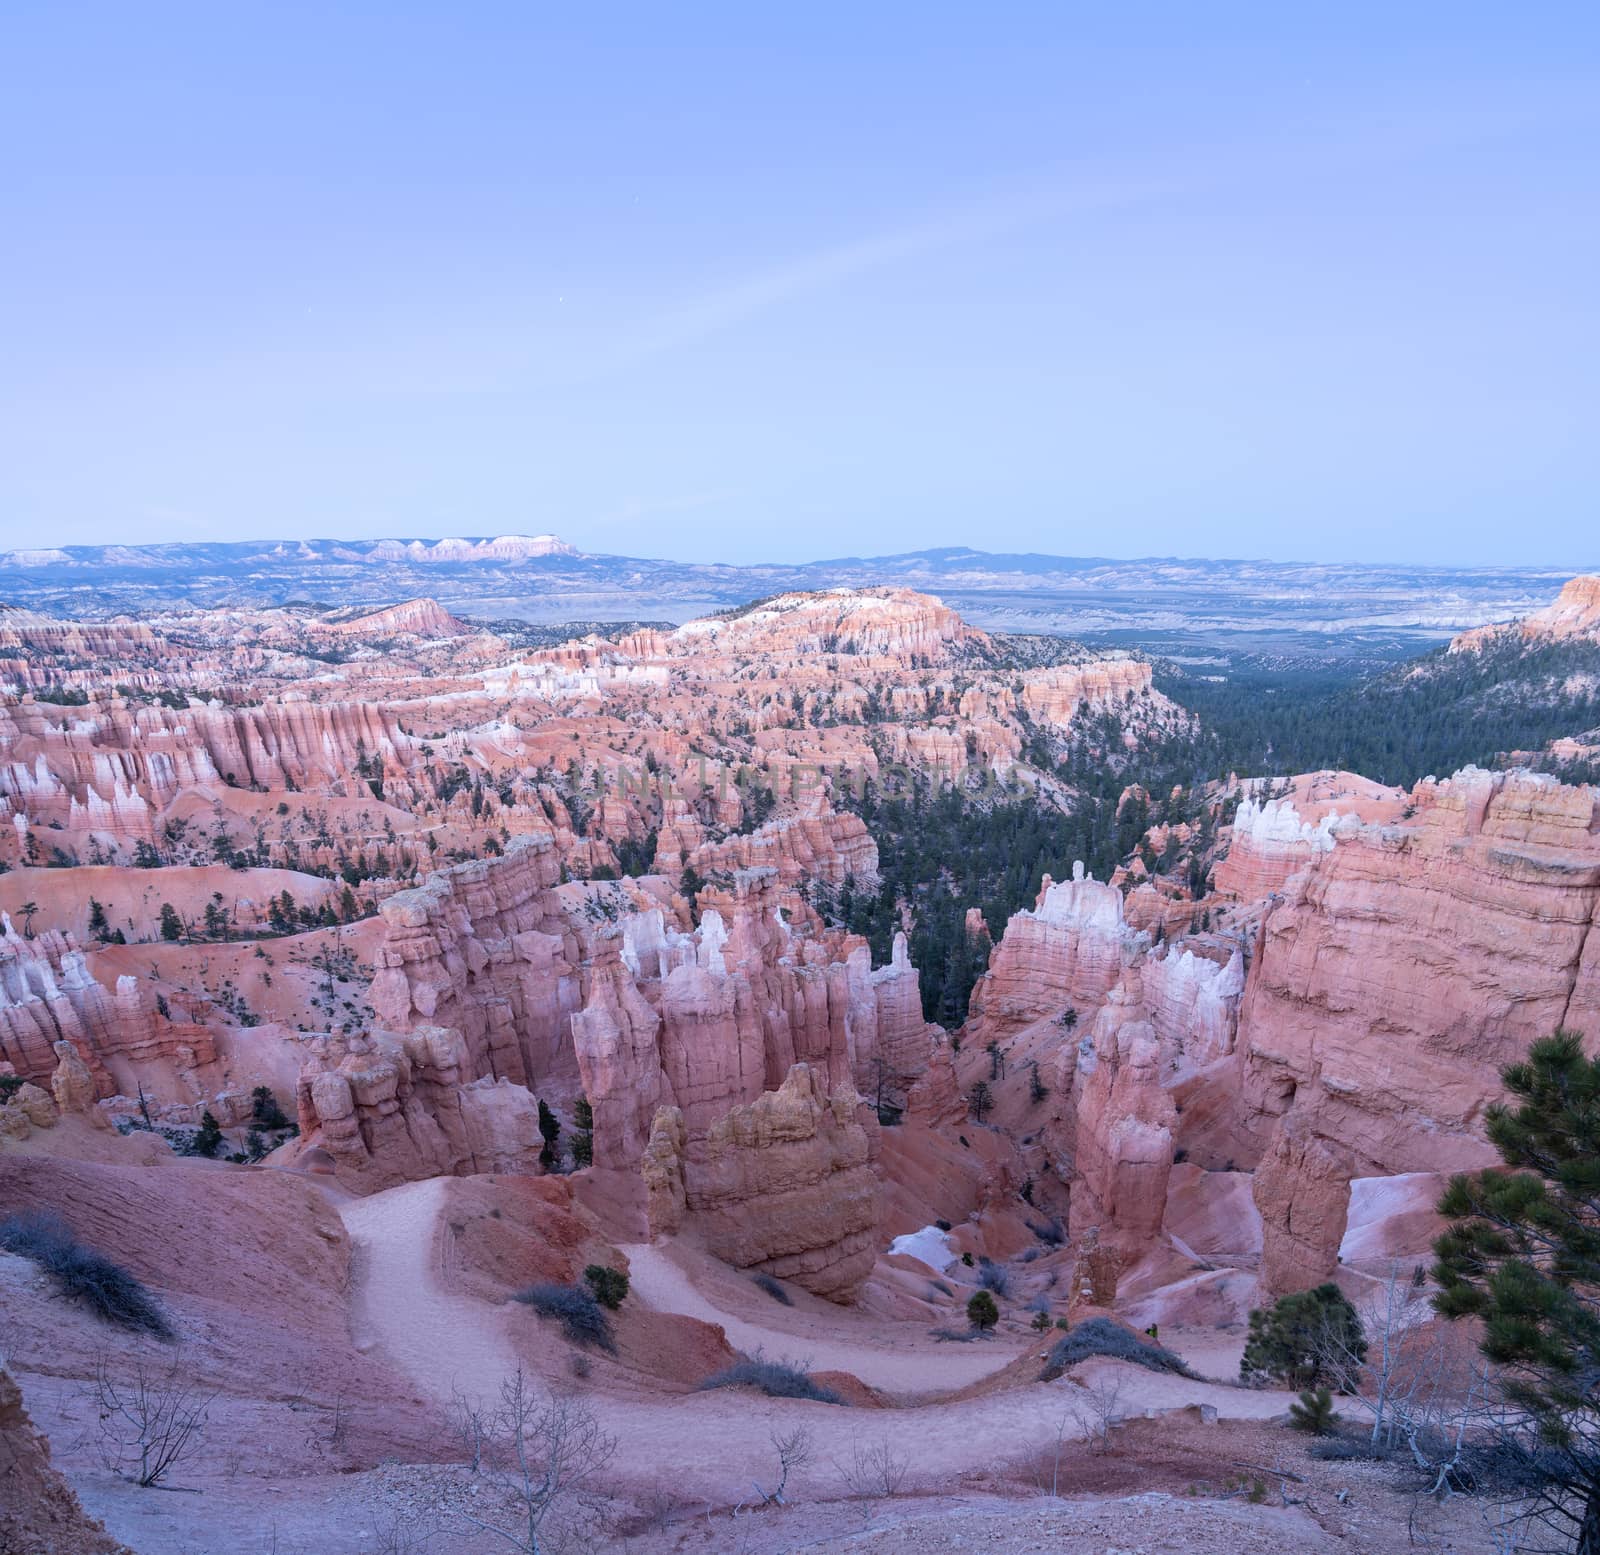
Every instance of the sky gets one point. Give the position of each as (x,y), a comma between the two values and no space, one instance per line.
(746,283)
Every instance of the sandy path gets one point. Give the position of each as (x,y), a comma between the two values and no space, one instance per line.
(711,1445)
(439,1339)
(899,1367)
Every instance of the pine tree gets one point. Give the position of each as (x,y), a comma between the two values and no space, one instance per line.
(1523,1259)
(550,1131)
(690,885)
(209,1140)
(1303,1339)
(980,1100)
(99,928)
(982,1312)
(1313,1413)
(171,923)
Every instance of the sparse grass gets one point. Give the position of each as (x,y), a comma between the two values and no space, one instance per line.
(1099,1336)
(956,1335)
(777,1379)
(771,1286)
(82,1274)
(580,1315)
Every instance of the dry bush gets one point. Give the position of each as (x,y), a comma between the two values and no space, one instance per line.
(1097,1409)
(546,1455)
(84,1275)
(777,1379)
(150,1421)
(771,1286)
(582,1318)
(793,1450)
(473,1423)
(403,1533)
(1047,1467)
(874,1469)
(1100,1336)
(993,1277)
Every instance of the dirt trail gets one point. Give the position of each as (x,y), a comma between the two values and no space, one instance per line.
(899,1365)
(439,1339)
(713,1444)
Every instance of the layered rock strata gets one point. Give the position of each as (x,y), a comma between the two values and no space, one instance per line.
(1398,977)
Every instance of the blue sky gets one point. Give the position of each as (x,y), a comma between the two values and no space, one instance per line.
(757,282)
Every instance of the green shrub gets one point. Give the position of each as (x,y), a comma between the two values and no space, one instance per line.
(608,1286)
(264,1109)
(209,1140)
(1306,1339)
(982,1311)
(1313,1413)
(550,1131)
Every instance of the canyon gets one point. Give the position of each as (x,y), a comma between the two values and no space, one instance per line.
(479,964)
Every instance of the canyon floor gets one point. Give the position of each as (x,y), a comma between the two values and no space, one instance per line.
(992,1459)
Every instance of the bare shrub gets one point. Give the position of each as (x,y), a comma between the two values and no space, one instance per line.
(772,1288)
(777,1379)
(1097,1409)
(1049,1232)
(547,1457)
(83,1275)
(874,1469)
(581,1316)
(472,1420)
(1047,1468)
(1430,1397)
(401,1533)
(150,1421)
(793,1450)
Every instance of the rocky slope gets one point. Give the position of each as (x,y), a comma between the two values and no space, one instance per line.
(39,1514)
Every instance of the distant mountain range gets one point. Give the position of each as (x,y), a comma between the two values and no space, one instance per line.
(1167,603)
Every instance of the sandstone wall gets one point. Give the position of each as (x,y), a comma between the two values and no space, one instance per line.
(1401,974)
(1066,952)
